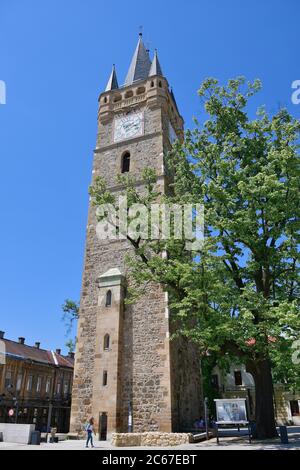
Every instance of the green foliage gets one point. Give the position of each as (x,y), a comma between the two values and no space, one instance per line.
(70,344)
(239,294)
(70,310)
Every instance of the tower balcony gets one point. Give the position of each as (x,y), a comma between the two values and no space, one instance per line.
(153,93)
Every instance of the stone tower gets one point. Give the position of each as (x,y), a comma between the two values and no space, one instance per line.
(128,374)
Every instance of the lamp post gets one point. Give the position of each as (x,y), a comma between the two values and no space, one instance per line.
(16,405)
(50,407)
(206,417)
(2,398)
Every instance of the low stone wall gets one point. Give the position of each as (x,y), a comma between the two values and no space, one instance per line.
(149,439)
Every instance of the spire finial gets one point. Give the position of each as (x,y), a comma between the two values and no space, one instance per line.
(141,31)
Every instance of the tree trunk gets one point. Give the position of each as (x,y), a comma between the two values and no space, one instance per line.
(264,403)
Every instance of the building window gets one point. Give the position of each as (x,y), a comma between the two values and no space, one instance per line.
(125,166)
(117,98)
(159,84)
(215,381)
(58,388)
(152,84)
(238,377)
(48,385)
(108,298)
(140,90)
(19,382)
(39,384)
(129,94)
(66,388)
(105,99)
(104,381)
(294,404)
(29,383)
(106,342)
(8,379)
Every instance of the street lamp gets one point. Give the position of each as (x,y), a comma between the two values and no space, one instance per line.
(16,405)
(49,416)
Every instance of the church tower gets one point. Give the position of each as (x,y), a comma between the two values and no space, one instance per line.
(128,374)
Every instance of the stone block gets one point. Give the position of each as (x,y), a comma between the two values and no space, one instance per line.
(17,433)
(150,439)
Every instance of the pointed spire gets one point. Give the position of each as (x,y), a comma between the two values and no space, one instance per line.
(112,83)
(155,66)
(140,64)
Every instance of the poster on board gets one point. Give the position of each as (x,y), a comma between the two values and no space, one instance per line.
(231,410)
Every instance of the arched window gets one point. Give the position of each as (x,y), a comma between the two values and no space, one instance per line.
(104,380)
(129,94)
(125,165)
(117,98)
(152,84)
(140,90)
(106,342)
(108,298)
(159,84)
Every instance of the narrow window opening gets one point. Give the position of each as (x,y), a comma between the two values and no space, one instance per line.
(125,163)
(104,381)
(106,342)
(108,298)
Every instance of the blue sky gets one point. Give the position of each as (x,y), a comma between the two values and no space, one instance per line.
(55,58)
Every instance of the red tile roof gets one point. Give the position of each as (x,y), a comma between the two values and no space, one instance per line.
(25,352)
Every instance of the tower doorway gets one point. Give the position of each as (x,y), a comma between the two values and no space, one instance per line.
(103,426)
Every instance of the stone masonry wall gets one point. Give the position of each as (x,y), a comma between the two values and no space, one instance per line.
(145,353)
(149,439)
(162,395)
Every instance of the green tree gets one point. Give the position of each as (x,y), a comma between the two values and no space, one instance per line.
(70,310)
(237,296)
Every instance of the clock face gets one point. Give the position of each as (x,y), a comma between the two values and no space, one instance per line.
(128,126)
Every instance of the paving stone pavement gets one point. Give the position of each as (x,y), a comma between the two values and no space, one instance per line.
(225,444)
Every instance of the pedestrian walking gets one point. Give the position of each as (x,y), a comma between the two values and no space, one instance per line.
(89,433)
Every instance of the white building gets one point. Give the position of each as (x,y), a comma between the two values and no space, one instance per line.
(237,383)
